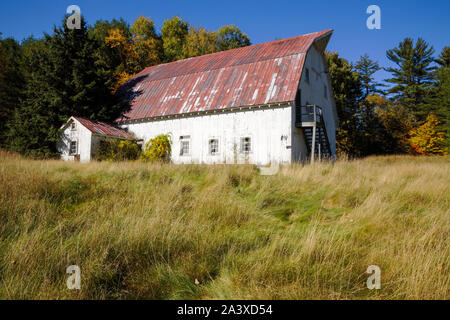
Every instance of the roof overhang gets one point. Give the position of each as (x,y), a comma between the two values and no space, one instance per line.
(208,112)
(321,42)
(67,123)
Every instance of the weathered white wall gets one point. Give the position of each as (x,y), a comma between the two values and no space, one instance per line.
(265,126)
(313,93)
(83,138)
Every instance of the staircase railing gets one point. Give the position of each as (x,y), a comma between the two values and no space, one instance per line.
(309,113)
(310,119)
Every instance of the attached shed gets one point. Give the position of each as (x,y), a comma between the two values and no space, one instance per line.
(80,138)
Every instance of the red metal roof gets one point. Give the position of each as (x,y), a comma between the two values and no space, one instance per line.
(104,129)
(254,75)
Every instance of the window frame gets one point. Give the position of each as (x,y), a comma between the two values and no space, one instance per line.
(325,91)
(73,126)
(307,75)
(185,140)
(76,147)
(241,144)
(217,147)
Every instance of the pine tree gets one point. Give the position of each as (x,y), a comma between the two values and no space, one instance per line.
(346,84)
(444,58)
(366,67)
(413,76)
(12,84)
(440,102)
(373,137)
(32,126)
(4,110)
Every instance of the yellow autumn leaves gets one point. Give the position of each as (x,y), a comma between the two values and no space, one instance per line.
(141,50)
(157,149)
(426,139)
(141,46)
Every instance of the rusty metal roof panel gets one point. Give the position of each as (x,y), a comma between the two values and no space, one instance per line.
(104,129)
(254,75)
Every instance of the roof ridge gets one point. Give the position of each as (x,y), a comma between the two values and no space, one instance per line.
(97,121)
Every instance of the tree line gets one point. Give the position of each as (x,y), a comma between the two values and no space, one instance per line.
(77,72)
(411,115)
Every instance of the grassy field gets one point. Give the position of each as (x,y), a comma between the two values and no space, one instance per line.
(149,231)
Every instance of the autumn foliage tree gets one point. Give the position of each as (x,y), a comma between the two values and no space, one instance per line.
(147,45)
(137,50)
(426,139)
(200,41)
(117,41)
(231,37)
(158,149)
(173,34)
(141,46)
(395,122)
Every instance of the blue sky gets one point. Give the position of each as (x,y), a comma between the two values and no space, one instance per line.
(262,20)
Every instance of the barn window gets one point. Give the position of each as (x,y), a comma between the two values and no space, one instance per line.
(307,75)
(325,92)
(73,147)
(246,145)
(184,145)
(213,146)
(73,126)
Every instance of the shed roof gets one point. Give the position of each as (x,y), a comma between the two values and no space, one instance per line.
(254,75)
(104,129)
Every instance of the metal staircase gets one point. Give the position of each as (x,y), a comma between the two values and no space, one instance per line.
(310,119)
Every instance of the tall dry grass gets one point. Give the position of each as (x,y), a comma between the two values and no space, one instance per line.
(148,231)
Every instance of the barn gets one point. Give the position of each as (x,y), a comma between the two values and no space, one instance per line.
(262,104)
